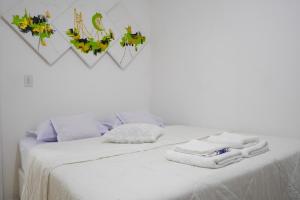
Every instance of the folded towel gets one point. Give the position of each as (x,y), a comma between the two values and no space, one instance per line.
(213,162)
(234,140)
(203,148)
(259,148)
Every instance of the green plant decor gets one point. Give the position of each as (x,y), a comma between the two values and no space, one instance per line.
(38,26)
(83,40)
(132,39)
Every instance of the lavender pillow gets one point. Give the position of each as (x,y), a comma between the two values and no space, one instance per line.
(111,123)
(139,117)
(45,132)
(102,128)
(76,127)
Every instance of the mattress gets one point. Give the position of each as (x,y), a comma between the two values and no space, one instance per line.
(25,145)
(141,172)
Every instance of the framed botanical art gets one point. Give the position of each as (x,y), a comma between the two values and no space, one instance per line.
(130,37)
(32,20)
(88,30)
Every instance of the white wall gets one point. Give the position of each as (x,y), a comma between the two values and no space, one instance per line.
(67,87)
(1,142)
(228,64)
(1,146)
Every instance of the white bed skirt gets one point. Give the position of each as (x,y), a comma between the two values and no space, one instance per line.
(21,181)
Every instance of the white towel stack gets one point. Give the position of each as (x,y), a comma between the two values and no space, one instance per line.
(249,145)
(202,148)
(204,154)
(257,149)
(218,150)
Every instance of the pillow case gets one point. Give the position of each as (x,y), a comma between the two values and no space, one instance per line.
(45,132)
(111,123)
(102,128)
(139,117)
(134,134)
(76,127)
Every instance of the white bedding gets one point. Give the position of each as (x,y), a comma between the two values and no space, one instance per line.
(142,172)
(25,145)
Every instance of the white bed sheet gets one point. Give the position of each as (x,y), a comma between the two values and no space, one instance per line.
(147,175)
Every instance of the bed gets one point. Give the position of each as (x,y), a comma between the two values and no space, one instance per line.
(91,170)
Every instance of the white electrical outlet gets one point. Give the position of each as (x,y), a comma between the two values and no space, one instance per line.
(28,81)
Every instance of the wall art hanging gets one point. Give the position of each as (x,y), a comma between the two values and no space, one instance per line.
(131,39)
(33,21)
(87,28)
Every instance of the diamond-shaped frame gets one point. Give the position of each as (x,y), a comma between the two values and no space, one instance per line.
(88,8)
(56,45)
(121,18)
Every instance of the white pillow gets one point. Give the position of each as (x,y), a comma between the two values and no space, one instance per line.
(134,134)
(75,127)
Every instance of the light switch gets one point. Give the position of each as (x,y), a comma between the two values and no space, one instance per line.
(28,81)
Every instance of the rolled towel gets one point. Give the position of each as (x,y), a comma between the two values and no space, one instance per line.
(259,148)
(233,140)
(203,148)
(212,162)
